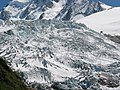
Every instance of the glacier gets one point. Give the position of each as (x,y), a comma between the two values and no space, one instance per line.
(60,54)
(42,43)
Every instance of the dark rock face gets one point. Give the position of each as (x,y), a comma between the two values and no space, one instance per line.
(75,8)
(5,15)
(107,80)
(115,39)
(56,0)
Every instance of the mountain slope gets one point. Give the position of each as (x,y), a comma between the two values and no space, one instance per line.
(106,21)
(59,54)
(8,79)
(49,9)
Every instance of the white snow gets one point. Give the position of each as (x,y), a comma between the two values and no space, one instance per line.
(49,13)
(6,28)
(105,6)
(12,10)
(106,21)
(23,1)
(106,88)
(52,12)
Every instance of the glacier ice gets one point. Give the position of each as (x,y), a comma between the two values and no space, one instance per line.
(47,51)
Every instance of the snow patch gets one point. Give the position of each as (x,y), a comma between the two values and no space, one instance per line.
(23,1)
(106,88)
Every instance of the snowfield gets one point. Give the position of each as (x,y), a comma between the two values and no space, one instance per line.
(107,21)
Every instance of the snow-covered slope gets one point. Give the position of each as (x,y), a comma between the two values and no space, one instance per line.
(62,54)
(49,9)
(107,21)
(4,27)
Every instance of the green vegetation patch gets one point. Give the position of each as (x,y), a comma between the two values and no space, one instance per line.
(9,79)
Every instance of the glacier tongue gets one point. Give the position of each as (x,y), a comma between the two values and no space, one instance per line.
(50,50)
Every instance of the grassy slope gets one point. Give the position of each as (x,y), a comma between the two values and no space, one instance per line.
(8,79)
